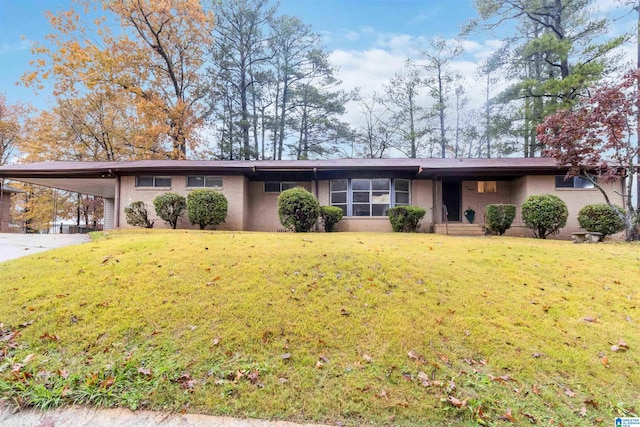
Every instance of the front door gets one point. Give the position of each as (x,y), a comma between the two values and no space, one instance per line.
(451,199)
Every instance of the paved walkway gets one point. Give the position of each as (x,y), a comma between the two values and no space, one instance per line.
(85,417)
(14,246)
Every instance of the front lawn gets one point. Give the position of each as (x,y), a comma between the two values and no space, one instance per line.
(352,328)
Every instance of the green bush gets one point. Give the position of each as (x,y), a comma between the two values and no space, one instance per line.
(298,209)
(544,214)
(206,207)
(406,218)
(601,218)
(137,215)
(330,216)
(500,217)
(169,207)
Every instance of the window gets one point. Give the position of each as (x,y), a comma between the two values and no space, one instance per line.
(402,192)
(204,181)
(487,187)
(278,186)
(153,181)
(369,197)
(572,182)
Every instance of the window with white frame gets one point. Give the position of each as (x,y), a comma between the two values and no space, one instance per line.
(200,181)
(572,182)
(369,197)
(487,187)
(153,181)
(279,186)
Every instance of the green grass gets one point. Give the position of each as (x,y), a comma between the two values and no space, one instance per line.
(381,329)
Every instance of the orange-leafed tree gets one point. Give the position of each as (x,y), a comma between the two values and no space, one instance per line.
(12,118)
(156,53)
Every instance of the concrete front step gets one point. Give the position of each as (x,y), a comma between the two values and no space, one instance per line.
(459,229)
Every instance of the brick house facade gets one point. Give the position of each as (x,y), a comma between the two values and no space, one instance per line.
(363,188)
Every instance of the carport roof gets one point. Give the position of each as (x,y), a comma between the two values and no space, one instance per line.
(98,178)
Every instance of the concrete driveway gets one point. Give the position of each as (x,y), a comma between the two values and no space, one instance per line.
(14,246)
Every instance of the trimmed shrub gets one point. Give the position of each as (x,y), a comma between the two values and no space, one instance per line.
(601,218)
(500,217)
(406,219)
(206,207)
(298,209)
(137,215)
(545,214)
(330,216)
(169,207)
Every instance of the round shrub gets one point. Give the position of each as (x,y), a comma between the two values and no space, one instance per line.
(601,218)
(330,216)
(545,214)
(169,207)
(500,217)
(406,218)
(206,207)
(137,215)
(298,209)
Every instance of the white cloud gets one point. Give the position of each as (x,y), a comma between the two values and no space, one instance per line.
(23,44)
(352,36)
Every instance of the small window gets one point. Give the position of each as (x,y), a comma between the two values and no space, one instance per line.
(572,182)
(487,187)
(279,186)
(153,181)
(402,193)
(199,181)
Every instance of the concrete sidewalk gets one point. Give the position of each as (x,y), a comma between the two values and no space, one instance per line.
(85,417)
(14,246)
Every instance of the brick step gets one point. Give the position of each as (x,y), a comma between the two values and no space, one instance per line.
(458,229)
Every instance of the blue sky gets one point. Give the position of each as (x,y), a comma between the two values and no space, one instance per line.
(347,25)
(368,39)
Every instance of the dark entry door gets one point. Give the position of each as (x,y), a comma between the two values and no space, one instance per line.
(451,199)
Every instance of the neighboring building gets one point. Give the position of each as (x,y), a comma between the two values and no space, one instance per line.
(363,188)
(5,206)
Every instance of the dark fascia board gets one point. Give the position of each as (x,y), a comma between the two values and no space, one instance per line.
(420,168)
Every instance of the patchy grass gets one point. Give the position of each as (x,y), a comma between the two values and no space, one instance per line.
(402,329)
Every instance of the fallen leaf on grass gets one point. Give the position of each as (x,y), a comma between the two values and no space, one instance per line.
(367,358)
(535,390)
(186,382)
(443,357)
(286,356)
(457,402)
(28,358)
(108,382)
(507,416)
(424,379)
(382,394)
(531,418)
(63,373)
(319,365)
(50,337)
(590,319)
(569,392)
(583,411)
(591,402)
(323,359)
(622,346)
(605,361)
(144,371)
(415,356)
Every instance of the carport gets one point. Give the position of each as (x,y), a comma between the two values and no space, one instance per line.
(93,178)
